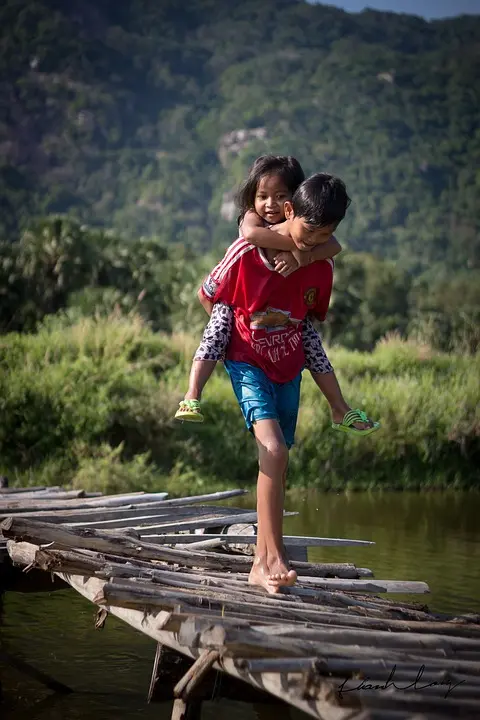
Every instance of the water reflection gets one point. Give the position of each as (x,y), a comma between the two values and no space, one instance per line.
(433,537)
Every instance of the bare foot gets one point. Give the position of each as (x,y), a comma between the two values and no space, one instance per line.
(271,574)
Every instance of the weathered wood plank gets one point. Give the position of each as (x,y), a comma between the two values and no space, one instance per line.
(85,503)
(132,510)
(152,626)
(43,498)
(291,540)
(41,533)
(207,497)
(186,519)
(289,687)
(14,490)
(137,498)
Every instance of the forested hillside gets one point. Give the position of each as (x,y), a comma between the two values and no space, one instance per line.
(142,116)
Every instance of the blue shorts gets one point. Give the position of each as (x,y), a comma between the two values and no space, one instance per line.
(262,399)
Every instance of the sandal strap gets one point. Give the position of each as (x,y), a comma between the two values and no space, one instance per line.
(190,405)
(353,416)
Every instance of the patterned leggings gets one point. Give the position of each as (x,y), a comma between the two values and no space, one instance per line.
(217,336)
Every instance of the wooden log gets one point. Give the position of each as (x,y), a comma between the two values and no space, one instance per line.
(195,674)
(289,687)
(171,666)
(323,570)
(370,586)
(397,672)
(243,591)
(449,707)
(306,639)
(152,627)
(74,562)
(147,531)
(134,594)
(131,510)
(222,637)
(207,497)
(224,602)
(41,533)
(85,503)
(44,498)
(159,652)
(21,553)
(146,523)
(15,490)
(139,498)
(288,540)
(183,710)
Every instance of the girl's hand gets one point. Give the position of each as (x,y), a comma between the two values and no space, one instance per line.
(285,263)
(302,257)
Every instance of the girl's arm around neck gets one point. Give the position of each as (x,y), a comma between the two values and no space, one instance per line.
(254,231)
(320,252)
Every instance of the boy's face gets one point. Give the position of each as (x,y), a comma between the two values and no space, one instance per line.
(303,235)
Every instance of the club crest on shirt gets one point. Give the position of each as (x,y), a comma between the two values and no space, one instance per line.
(272,319)
(310,297)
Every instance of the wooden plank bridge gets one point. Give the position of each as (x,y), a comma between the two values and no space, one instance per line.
(176,570)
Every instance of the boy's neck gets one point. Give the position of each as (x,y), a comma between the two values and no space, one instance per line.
(282,229)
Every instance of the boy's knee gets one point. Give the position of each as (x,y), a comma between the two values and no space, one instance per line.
(276,452)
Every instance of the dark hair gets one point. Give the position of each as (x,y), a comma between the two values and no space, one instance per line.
(286,167)
(321,200)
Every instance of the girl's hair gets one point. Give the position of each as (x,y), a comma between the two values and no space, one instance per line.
(286,167)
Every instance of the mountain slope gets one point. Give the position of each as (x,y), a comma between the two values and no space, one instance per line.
(144,115)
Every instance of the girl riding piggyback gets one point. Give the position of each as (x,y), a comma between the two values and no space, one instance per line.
(271,182)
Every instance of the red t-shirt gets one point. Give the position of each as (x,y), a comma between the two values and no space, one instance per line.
(268,308)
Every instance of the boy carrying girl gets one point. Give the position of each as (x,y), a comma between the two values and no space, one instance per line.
(265,356)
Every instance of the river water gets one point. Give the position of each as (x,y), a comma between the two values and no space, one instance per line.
(434,537)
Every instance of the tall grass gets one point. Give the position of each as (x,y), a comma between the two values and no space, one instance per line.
(90,403)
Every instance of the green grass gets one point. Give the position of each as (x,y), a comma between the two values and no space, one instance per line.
(90,403)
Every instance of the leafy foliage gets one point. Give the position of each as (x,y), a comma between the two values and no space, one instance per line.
(93,401)
(123,114)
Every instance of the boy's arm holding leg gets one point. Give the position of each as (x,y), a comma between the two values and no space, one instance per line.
(205,302)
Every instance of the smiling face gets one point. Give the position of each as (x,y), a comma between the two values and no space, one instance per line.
(270,198)
(306,236)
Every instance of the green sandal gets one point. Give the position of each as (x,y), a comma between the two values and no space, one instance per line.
(355,416)
(189,411)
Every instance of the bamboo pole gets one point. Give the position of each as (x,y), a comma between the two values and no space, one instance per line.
(182,710)
(146,524)
(130,510)
(85,503)
(288,540)
(151,626)
(78,563)
(289,687)
(195,674)
(41,533)
(32,672)
(401,671)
